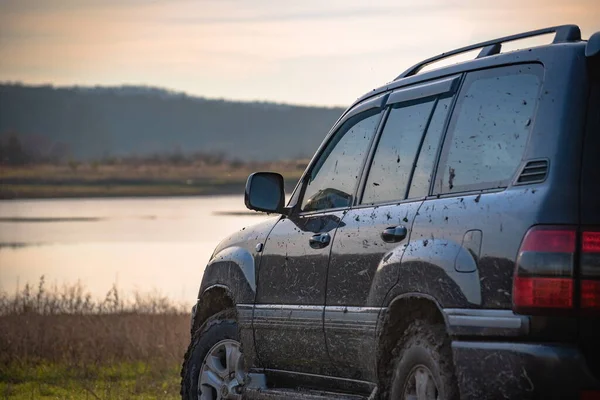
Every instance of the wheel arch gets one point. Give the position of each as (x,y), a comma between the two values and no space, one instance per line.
(401,311)
(212,300)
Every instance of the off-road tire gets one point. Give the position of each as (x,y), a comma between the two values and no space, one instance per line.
(218,327)
(426,344)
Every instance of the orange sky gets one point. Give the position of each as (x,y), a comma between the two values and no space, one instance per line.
(325,52)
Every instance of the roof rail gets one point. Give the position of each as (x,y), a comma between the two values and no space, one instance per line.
(564,33)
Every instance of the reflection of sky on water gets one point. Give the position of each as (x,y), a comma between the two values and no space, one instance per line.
(139,244)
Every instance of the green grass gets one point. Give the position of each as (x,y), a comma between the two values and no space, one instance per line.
(117,381)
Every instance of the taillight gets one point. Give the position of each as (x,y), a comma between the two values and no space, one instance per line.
(590,242)
(590,270)
(543,278)
(590,294)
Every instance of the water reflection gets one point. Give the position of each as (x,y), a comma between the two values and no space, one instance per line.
(139,244)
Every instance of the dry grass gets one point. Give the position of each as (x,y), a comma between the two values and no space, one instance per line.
(64,341)
(155,172)
(59,190)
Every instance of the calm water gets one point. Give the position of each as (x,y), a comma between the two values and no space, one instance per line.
(155,244)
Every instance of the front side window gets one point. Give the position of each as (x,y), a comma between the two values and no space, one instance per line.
(491,123)
(333,179)
(396,151)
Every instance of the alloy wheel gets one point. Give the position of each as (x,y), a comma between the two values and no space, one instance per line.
(222,373)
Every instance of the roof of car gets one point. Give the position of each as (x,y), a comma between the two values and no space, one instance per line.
(489,55)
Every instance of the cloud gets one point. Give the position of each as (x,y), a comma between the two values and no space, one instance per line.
(326,15)
(314,51)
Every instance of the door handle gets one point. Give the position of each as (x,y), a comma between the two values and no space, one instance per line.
(394,234)
(320,240)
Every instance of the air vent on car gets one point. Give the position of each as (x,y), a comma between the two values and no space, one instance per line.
(533,172)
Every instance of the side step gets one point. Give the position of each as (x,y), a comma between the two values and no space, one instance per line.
(287,394)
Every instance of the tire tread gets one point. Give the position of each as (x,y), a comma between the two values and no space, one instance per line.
(433,334)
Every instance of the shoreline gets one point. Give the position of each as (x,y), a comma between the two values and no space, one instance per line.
(118,181)
(66,190)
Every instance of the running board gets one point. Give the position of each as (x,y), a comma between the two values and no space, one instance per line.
(288,394)
(256,389)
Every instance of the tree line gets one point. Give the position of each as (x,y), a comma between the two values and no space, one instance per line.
(22,150)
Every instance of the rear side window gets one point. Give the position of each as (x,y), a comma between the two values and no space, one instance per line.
(396,151)
(488,133)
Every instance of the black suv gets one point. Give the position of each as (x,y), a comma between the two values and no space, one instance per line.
(443,243)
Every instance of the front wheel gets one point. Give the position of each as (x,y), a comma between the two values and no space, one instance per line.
(423,368)
(213,368)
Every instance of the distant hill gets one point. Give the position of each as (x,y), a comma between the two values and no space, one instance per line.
(89,123)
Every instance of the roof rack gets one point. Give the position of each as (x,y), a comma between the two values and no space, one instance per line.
(564,33)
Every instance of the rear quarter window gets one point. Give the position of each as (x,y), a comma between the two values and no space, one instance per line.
(489,129)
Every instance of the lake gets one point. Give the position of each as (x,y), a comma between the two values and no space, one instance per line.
(140,244)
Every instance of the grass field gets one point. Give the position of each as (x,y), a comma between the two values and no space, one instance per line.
(63,344)
(117,381)
(103,180)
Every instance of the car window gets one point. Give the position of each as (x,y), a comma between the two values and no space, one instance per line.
(425,162)
(490,127)
(396,151)
(332,180)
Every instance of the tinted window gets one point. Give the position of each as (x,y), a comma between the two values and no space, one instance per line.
(493,117)
(422,176)
(334,177)
(396,152)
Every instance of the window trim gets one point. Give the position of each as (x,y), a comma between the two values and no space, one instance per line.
(436,188)
(295,202)
(389,203)
(446,86)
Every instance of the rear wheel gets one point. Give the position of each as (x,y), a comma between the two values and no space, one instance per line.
(213,368)
(423,368)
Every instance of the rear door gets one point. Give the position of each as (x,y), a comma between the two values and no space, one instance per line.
(368,244)
(467,234)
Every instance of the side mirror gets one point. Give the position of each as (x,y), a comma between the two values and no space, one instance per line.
(264,192)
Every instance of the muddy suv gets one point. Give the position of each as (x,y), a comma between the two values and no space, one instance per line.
(443,243)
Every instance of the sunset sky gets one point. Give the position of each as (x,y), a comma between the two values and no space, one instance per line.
(322,52)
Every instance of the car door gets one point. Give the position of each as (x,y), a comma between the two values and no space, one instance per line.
(290,297)
(370,240)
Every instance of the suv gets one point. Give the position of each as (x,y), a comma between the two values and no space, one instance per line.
(443,243)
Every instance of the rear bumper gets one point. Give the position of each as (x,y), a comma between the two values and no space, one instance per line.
(492,370)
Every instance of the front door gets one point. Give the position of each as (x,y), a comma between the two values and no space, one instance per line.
(369,244)
(292,277)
